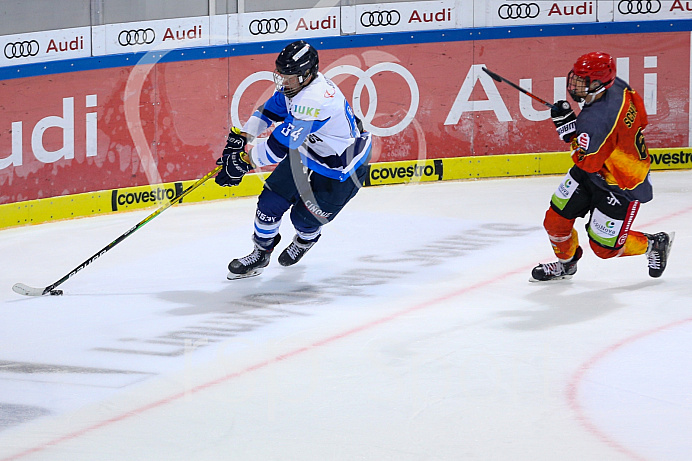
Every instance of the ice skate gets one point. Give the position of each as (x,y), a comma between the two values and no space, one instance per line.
(295,251)
(556,271)
(252,264)
(658,251)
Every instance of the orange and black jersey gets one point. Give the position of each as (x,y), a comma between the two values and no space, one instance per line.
(609,143)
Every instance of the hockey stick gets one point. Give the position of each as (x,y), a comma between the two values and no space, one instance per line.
(502,79)
(50,289)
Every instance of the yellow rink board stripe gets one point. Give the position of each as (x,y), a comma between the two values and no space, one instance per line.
(116,200)
(142,197)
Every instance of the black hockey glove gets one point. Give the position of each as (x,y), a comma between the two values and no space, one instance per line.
(234,166)
(564,119)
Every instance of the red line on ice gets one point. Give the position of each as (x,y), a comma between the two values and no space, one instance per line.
(578,377)
(264,364)
(573,386)
(572,390)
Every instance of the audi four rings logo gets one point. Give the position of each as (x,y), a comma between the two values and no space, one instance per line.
(136,37)
(380,18)
(21,49)
(518,10)
(268,26)
(639,6)
(365,82)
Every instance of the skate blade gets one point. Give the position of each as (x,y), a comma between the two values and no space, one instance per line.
(254,273)
(562,277)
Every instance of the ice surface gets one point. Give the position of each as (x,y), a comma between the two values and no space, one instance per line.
(409,332)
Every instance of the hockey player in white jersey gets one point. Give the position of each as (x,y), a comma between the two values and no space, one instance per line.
(321,154)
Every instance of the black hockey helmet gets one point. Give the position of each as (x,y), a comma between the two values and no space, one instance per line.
(297,59)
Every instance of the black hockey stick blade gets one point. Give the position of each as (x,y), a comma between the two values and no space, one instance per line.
(498,78)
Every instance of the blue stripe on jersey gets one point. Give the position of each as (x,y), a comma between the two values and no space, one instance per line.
(275,147)
(334,174)
(261,114)
(276,105)
(267,116)
(351,117)
(290,135)
(331,161)
(292,132)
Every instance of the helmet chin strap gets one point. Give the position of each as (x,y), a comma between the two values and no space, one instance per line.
(304,81)
(591,97)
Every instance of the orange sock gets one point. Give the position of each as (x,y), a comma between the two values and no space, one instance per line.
(563,237)
(636,244)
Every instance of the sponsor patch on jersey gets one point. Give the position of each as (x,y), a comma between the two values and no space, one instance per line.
(305,110)
(583,141)
(564,191)
(604,229)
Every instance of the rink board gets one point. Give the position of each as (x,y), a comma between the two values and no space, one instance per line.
(131,120)
(154,196)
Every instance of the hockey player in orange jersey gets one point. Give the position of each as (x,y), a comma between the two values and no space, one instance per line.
(610,177)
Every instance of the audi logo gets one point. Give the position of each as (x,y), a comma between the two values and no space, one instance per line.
(268,26)
(21,49)
(639,6)
(518,10)
(380,18)
(365,82)
(136,37)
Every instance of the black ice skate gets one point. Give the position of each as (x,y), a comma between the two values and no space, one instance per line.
(557,270)
(252,264)
(658,251)
(295,251)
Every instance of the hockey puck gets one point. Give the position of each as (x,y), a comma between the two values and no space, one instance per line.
(55,292)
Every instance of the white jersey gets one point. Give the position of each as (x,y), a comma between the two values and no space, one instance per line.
(319,123)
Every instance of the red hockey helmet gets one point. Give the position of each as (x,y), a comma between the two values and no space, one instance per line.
(591,74)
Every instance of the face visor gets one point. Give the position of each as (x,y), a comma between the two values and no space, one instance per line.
(582,89)
(289,85)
